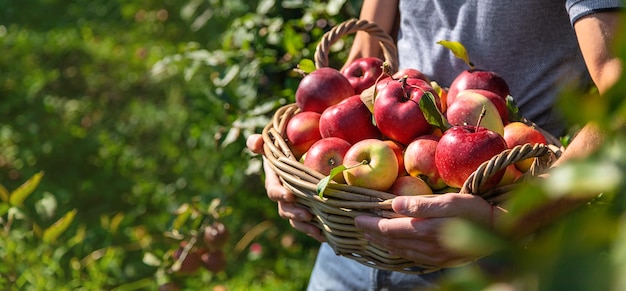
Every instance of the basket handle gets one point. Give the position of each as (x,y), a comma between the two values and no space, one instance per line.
(387,43)
(500,161)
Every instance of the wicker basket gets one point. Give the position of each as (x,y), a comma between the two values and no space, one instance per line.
(334,212)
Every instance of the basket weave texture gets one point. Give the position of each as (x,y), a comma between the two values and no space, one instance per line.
(334,213)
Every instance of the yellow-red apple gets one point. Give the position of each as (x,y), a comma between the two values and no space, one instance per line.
(467,109)
(398,149)
(372,164)
(419,160)
(519,133)
(410,186)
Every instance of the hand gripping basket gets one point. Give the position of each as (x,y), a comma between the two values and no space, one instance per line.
(334,212)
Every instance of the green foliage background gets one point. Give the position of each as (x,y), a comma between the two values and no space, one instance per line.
(134,110)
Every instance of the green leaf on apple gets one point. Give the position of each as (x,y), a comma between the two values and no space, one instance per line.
(514,114)
(321,186)
(431,112)
(458,50)
(306,66)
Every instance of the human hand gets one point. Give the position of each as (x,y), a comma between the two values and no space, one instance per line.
(299,218)
(417,236)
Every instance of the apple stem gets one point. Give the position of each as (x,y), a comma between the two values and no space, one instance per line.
(403,80)
(482,114)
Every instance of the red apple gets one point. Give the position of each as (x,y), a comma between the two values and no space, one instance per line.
(462,149)
(518,133)
(410,186)
(468,109)
(419,161)
(326,154)
(478,79)
(362,73)
(349,120)
(410,73)
(397,111)
(496,99)
(302,131)
(372,164)
(398,149)
(322,88)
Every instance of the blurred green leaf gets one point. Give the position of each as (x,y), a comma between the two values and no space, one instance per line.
(20,194)
(306,66)
(53,232)
(4,194)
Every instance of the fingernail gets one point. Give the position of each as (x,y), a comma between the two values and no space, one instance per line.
(399,205)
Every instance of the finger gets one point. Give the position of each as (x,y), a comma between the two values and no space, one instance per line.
(255,143)
(422,246)
(275,189)
(447,205)
(291,211)
(404,227)
(309,229)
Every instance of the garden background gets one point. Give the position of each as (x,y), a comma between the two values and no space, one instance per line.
(123,127)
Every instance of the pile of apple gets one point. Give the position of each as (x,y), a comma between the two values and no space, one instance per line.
(403,133)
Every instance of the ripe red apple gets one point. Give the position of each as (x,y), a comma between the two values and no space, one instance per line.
(462,149)
(397,111)
(372,164)
(322,88)
(496,99)
(349,120)
(468,108)
(398,149)
(410,73)
(326,154)
(419,160)
(302,131)
(518,133)
(362,73)
(410,186)
(478,79)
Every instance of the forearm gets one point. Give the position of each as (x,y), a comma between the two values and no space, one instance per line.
(381,12)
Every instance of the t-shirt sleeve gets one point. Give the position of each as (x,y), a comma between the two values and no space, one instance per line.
(579,8)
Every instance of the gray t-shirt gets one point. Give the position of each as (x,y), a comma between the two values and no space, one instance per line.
(530,43)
